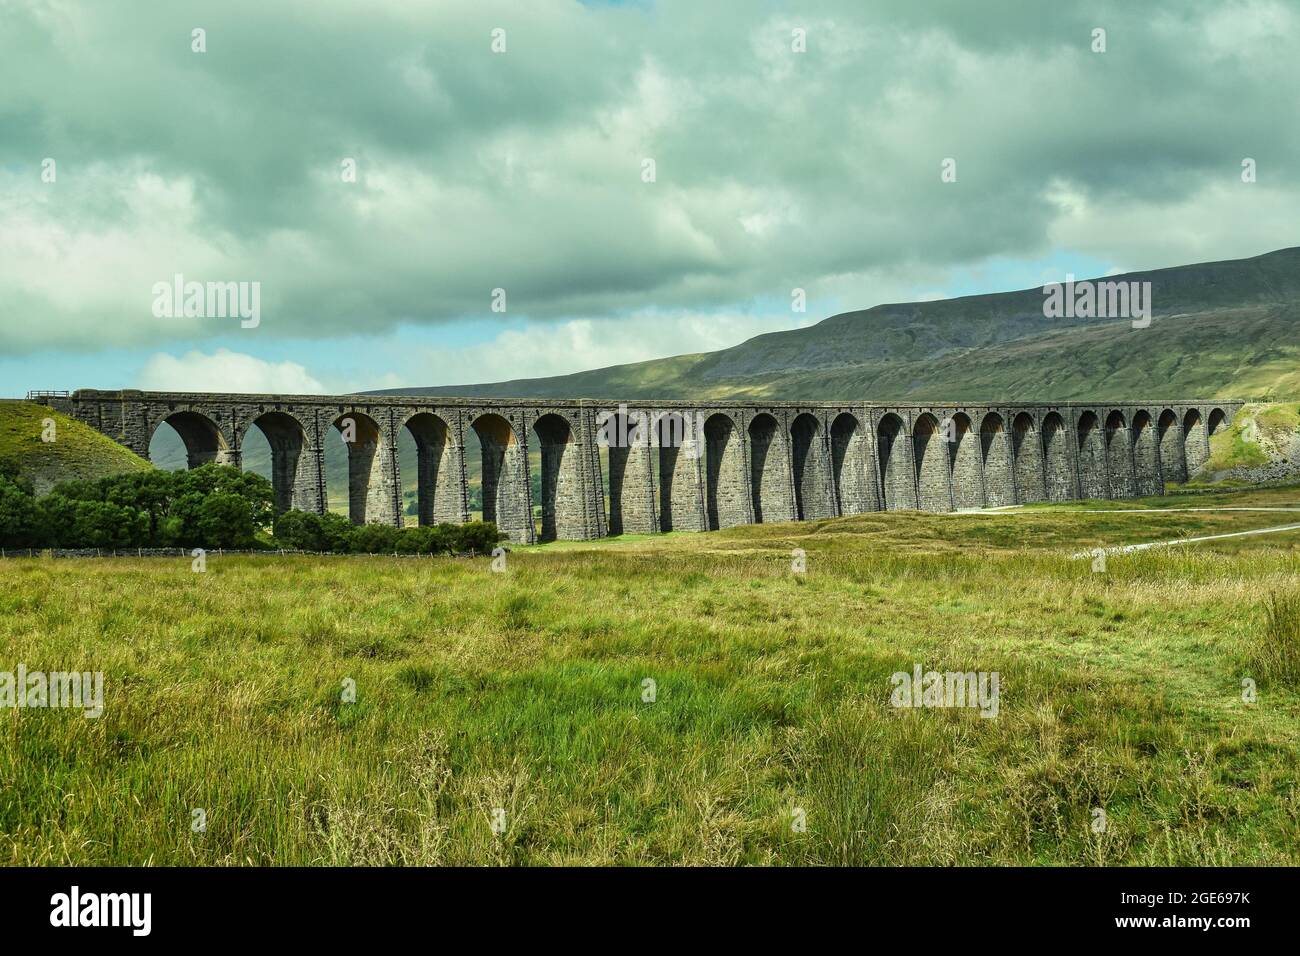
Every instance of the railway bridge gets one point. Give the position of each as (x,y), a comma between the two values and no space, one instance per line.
(614,467)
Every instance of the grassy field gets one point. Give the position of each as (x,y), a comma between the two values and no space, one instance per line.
(522,691)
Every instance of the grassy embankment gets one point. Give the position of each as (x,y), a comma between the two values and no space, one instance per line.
(523,691)
(1259,433)
(77,450)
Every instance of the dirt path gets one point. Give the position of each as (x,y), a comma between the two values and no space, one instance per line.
(1126,548)
(1022,510)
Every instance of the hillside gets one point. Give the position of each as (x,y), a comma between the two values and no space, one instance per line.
(1262,445)
(1221,328)
(77,451)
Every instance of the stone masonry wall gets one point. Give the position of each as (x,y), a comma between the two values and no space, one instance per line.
(724,465)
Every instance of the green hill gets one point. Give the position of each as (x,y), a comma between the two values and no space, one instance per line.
(1227,329)
(77,451)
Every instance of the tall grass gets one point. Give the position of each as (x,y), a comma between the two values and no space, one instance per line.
(523,693)
(1276,653)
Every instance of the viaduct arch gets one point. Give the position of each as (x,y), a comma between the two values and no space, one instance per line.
(674,466)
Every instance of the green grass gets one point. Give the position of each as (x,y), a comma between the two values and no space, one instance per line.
(1276,654)
(1258,433)
(523,691)
(77,451)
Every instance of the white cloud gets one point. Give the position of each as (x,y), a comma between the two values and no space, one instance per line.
(775,169)
(543,349)
(226,371)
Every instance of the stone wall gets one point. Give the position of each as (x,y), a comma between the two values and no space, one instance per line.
(682,466)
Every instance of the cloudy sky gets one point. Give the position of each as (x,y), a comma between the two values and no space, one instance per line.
(504,145)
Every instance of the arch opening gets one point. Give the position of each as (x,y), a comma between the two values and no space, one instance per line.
(931,459)
(370,472)
(811,469)
(561,502)
(630,475)
(681,499)
(1196,447)
(897,479)
(1119,456)
(995,444)
(198,434)
(850,466)
(769,471)
(725,493)
(503,478)
(1057,453)
(439,487)
(1169,440)
(1146,456)
(282,439)
(1215,422)
(1092,457)
(1028,457)
(966,461)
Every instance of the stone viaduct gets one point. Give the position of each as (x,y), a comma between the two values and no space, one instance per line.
(693,466)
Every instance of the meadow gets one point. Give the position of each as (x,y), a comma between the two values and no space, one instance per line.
(522,697)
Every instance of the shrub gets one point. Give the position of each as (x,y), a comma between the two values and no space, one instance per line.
(444,538)
(308,531)
(419,541)
(479,537)
(21,521)
(225,520)
(74,523)
(375,539)
(299,530)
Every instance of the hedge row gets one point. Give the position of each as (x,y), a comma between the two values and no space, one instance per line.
(307,531)
(211,507)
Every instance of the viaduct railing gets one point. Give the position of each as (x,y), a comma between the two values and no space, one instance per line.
(609,468)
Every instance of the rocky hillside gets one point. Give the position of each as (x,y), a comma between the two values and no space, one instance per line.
(1262,445)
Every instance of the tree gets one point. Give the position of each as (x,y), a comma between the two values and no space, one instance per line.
(21,522)
(225,520)
(94,524)
(375,539)
(308,531)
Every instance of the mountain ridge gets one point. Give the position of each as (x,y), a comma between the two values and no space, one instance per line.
(974,347)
